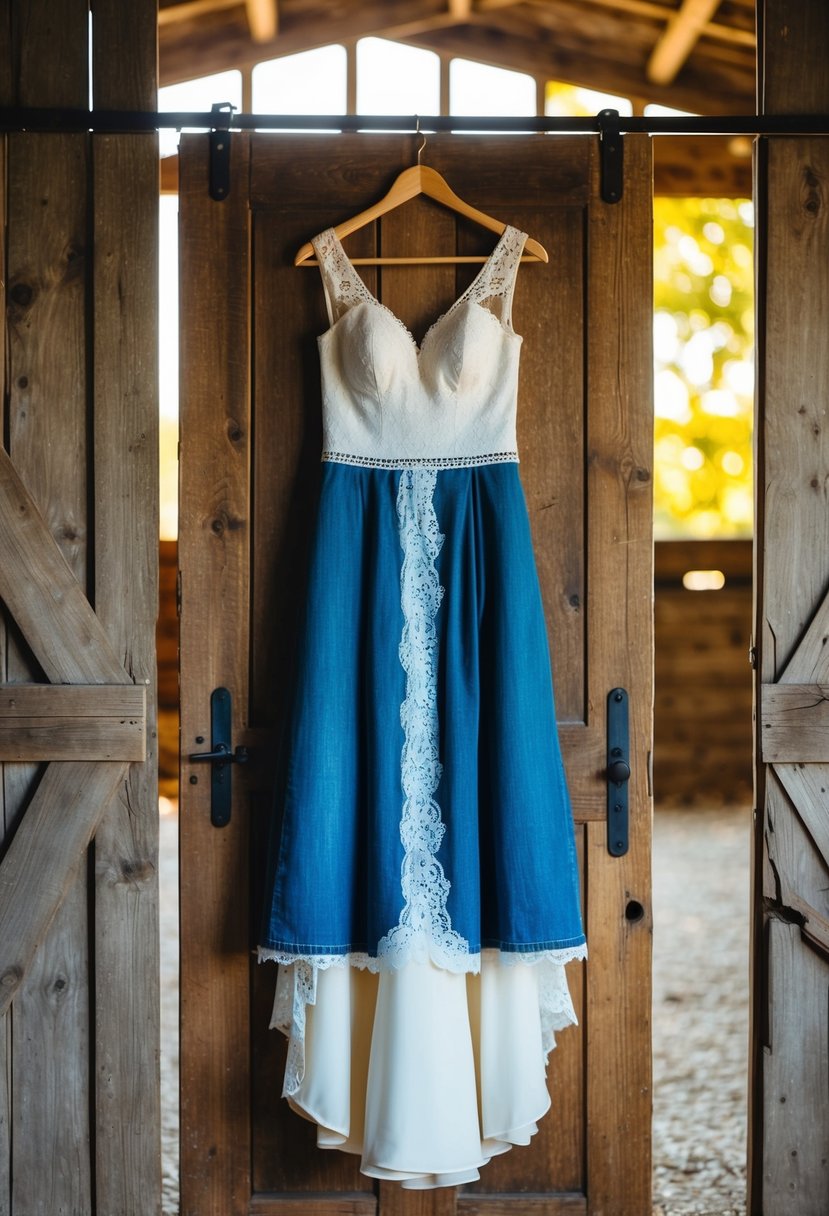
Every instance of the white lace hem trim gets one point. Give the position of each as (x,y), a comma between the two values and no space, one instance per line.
(468,963)
(420,462)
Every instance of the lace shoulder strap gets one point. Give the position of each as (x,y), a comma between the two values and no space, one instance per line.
(342,285)
(494,287)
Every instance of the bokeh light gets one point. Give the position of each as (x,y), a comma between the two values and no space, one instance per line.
(703,332)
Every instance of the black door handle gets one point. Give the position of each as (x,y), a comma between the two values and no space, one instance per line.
(221,756)
(617,772)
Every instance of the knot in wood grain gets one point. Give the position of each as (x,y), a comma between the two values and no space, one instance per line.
(22,294)
(73,259)
(811,192)
(223,522)
(136,870)
(235,433)
(11,978)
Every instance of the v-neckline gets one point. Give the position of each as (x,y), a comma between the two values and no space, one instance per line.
(372,298)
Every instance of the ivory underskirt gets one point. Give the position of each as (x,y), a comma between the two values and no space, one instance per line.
(424,1073)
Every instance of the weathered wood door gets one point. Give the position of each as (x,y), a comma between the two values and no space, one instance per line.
(79,989)
(250,443)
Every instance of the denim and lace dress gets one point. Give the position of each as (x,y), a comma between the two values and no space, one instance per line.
(422,891)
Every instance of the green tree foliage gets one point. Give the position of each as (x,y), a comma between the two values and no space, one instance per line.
(704,368)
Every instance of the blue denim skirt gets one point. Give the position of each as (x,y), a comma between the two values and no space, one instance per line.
(421,789)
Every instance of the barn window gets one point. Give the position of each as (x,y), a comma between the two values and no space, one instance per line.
(476,88)
(396,79)
(312,82)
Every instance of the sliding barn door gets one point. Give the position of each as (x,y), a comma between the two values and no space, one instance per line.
(250,447)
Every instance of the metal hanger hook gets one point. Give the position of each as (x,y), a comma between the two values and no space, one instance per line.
(419,132)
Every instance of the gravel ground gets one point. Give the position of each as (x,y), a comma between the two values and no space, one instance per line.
(700,1011)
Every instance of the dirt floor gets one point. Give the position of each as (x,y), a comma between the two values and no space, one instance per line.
(700,1010)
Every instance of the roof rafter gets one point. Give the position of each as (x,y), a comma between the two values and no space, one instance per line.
(679,39)
(263,19)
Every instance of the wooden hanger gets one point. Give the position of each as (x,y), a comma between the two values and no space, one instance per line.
(420,179)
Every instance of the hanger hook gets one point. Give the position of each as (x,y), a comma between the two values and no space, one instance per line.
(419,132)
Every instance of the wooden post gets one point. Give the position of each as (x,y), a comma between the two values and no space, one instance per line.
(789,1114)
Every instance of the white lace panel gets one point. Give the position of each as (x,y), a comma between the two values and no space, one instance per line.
(424,929)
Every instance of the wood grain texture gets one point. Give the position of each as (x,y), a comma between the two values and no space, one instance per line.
(807,786)
(43,594)
(620,640)
(43,860)
(796,1127)
(49,46)
(323,1205)
(66,722)
(6,811)
(125,58)
(46,431)
(52,494)
(214,563)
(51,1017)
(809,663)
(527,1205)
(125,479)
(788,1134)
(794,723)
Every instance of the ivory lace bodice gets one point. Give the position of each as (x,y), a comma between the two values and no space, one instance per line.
(451,401)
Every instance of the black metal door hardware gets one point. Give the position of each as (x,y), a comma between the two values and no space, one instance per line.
(618,771)
(221,756)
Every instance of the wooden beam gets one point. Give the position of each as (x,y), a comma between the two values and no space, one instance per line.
(679,39)
(658,12)
(72,722)
(263,19)
(44,857)
(43,595)
(172,14)
(218,41)
(708,90)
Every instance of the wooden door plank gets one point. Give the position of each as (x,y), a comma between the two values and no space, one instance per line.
(792,556)
(808,788)
(323,1205)
(524,1204)
(796,1124)
(72,722)
(50,1016)
(809,664)
(57,738)
(44,857)
(6,809)
(47,433)
(620,641)
(125,412)
(42,593)
(214,565)
(393,1200)
(794,723)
